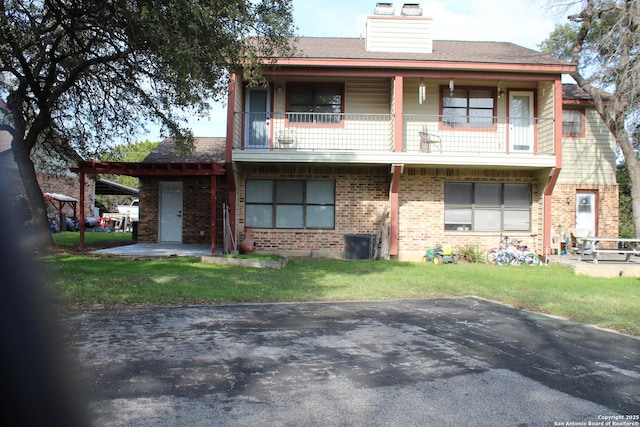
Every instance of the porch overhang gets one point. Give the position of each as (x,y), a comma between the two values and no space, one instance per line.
(147,169)
(150,169)
(509,161)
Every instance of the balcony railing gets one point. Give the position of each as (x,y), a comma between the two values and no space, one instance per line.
(310,131)
(375,132)
(498,135)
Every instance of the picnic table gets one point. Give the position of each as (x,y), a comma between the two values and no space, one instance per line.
(591,246)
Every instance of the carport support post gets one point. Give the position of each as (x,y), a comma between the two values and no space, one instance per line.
(81,225)
(212,229)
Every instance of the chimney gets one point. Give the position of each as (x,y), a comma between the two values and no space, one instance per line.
(409,32)
(384,9)
(411,9)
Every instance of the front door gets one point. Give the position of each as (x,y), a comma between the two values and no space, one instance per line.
(521,129)
(257,121)
(170,212)
(586,211)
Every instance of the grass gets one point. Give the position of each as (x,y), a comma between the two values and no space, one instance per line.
(256,256)
(79,280)
(91,239)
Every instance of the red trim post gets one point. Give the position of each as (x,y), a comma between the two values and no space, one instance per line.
(231,105)
(548,190)
(212,230)
(398,93)
(396,171)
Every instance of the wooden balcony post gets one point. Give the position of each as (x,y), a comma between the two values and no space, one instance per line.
(398,91)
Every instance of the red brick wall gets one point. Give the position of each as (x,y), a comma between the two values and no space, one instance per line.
(196,214)
(421,215)
(361,195)
(608,207)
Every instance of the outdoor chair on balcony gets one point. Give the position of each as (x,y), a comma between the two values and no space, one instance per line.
(427,140)
(286,138)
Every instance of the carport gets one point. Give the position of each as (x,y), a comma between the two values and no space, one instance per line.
(158,169)
(107,187)
(59,202)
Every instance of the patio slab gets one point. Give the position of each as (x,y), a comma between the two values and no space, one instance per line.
(157,250)
(609,265)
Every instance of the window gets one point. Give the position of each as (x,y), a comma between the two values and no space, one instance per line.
(473,108)
(290,203)
(487,206)
(319,104)
(573,122)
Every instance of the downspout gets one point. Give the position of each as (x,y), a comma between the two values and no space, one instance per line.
(396,169)
(553,179)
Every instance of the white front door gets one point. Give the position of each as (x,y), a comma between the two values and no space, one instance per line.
(257,123)
(521,123)
(170,212)
(586,211)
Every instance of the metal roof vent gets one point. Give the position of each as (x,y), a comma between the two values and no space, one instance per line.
(411,9)
(384,9)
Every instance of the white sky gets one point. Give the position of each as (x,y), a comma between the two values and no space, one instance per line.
(523,22)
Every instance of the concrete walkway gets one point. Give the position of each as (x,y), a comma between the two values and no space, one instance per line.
(157,249)
(609,265)
(439,362)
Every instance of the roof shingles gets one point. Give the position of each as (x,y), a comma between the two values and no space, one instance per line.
(206,150)
(443,51)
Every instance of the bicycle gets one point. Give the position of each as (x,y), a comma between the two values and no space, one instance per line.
(491,253)
(516,255)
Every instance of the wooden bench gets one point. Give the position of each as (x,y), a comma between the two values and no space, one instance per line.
(591,246)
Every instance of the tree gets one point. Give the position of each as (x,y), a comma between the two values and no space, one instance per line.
(79,74)
(603,39)
(130,152)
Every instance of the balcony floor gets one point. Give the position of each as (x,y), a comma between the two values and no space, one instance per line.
(516,160)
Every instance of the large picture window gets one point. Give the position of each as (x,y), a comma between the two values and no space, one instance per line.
(573,122)
(468,108)
(299,204)
(318,104)
(487,206)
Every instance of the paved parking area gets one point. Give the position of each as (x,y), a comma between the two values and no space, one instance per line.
(439,362)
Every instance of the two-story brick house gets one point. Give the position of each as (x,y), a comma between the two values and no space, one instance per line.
(461,141)
(444,141)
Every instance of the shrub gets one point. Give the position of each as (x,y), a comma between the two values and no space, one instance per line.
(470,254)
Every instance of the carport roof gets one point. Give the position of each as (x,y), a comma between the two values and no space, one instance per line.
(112,188)
(207,159)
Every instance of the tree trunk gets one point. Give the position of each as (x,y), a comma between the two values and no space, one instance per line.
(633,167)
(33,192)
(22,154)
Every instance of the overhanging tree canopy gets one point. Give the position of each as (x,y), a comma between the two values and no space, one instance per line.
(603,39)
(77,75)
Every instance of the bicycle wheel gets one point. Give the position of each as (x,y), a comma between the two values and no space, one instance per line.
(503,258)
(532,259)
(491,255)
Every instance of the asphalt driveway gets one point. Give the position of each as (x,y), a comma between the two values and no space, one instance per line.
(440,362)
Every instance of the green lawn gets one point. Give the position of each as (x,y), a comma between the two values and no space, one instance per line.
(105,280)
(102,239)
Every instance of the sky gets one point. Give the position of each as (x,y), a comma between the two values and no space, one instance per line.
(523,22)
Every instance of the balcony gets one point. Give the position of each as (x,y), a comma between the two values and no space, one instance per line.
(316,137)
